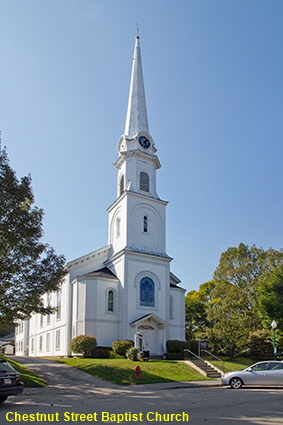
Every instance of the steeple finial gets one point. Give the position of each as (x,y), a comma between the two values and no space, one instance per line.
(136,120)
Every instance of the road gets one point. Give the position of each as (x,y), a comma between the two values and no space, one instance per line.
(75,397)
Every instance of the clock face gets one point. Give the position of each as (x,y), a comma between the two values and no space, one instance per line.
(144,142)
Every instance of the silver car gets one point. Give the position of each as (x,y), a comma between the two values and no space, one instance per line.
(269,373)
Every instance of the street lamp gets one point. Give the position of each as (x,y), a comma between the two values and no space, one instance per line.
(274,326)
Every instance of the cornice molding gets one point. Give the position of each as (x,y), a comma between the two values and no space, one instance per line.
(137,153)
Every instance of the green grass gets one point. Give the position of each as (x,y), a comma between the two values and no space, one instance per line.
(122,371)
(29,378)
(231,365)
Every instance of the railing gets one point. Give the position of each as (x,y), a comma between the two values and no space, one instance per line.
(188,354)
(214,357)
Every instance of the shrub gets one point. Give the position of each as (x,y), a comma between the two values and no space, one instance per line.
(83,344)
(132,354)
(100,354)
(174,356)
(113,355)
(176,346)
(121,347)
(103,347)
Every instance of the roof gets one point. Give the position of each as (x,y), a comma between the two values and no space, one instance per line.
(136,120)
(104,272)
(8,338)
(161,322)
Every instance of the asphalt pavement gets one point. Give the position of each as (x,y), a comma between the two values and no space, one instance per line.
(75,396)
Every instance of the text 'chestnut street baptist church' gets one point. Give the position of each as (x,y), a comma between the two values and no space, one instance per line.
(124,290)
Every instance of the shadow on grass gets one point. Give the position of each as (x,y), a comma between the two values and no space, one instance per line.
(120,376)
(29,378)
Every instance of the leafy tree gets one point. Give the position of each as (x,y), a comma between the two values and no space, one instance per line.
(270,300)
(196,306)
(233,307)
(244,266)
(83,344)
(231,320)
(28,267)
(260,344)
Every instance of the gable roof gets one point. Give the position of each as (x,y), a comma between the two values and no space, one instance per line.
(104,272)
(149,316)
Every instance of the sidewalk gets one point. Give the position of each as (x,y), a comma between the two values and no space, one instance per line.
(177,385)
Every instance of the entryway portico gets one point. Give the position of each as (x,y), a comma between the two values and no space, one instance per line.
(150,334)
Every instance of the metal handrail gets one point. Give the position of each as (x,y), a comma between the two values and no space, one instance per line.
(193,354)
(215,357)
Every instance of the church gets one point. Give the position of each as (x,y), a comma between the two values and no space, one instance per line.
(124,290)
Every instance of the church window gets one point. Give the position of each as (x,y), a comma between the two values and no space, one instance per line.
(58,301)
(48,342)
(57,340)
(122,185)
(144,181)
(40,343)
(147,292)
(118,227)
(145,224)
(171,307)
(110,301)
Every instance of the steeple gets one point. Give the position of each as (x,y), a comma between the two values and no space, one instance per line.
(136,120)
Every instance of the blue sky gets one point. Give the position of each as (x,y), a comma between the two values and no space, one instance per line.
(213,80)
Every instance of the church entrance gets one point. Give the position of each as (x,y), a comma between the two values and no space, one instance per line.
(147,334)
(150,334)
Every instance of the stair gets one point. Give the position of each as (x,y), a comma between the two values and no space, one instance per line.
(208,369)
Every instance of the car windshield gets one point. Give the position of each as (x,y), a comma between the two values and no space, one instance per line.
(4,367)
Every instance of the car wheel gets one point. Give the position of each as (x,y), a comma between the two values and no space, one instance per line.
(3,398)
(236,383)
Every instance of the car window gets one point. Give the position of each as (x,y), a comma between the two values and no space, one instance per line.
(275,366)
(259,367)
(5,368)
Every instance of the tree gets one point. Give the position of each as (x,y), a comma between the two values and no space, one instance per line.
(233,308)
(196,314)
(28,267)
(270,301)
(230,319)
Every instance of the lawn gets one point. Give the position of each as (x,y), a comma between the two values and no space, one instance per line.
(231,365)
(29,378)
(122,371)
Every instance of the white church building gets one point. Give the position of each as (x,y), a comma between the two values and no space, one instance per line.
(124,290)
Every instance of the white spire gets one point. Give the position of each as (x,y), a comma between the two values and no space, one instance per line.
(136,120)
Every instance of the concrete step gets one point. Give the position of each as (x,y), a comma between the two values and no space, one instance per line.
(207,368)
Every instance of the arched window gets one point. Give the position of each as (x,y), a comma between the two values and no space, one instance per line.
(145,224)
(118,227)
(144,181)
(171,307)
(147,298)
(110,301)
(122,185)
